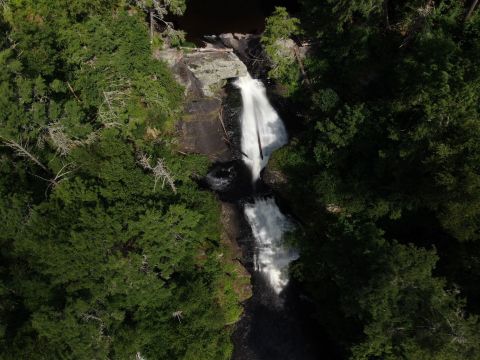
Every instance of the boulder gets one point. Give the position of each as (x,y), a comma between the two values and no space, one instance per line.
(213,68)
(206,69)
(286,48)
(238,42)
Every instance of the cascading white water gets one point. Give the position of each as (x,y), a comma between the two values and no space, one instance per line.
(272,256)
(262,133)
(262,129)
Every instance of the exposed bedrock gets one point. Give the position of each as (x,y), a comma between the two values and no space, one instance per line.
(204,72)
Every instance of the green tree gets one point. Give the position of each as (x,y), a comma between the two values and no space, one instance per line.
(279,28)
(385,166)
(379,298)
(97,261)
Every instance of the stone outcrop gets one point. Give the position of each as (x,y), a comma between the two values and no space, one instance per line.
(207,70)
(203,72)
(213,69)
(286,48)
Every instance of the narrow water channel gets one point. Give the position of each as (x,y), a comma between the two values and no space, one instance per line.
(277,323)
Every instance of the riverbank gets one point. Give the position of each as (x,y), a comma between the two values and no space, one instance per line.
(201,130)
(275,324)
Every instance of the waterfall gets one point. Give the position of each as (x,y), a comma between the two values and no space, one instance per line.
(262,129)
(272,256)
(262,133)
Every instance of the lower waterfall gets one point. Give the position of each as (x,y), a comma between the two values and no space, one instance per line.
(271,257)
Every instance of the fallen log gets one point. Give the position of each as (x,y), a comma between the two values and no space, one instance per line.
(223,50)
(259,143)
(471,9)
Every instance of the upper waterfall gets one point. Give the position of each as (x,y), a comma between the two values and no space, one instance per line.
(262,129)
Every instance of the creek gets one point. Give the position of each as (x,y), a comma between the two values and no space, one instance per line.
(277,322)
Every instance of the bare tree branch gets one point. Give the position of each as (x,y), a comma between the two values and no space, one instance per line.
(73,92)
(138,356)
(58,178)
(22,150)
(160,171)
(115,100)
(64,144)
(178,315)
(419,22)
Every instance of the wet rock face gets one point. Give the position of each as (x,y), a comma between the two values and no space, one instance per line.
(231,232)
(201,129)
(231,111)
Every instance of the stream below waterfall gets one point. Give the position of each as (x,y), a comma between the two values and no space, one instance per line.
(276,324)
(210,17)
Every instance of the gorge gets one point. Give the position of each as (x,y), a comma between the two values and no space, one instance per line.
(239,180)
(272,308)
(276,323)
(275,308)
(252,130)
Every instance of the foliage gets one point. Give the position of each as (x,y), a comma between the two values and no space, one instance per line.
(158,10)
(97,262)
(279,28)
(400,133)
(381,296)
(384,174)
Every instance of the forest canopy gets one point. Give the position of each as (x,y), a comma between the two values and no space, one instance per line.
(388,141)
(108,248)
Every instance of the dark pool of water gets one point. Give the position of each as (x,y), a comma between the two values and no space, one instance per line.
(277,328)
(213,17)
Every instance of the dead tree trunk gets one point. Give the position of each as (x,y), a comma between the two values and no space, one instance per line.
(471,9)
(22,151)
(300,64)
(160,171)
(152,25)
(208,49)
(418,23)
(385,14)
